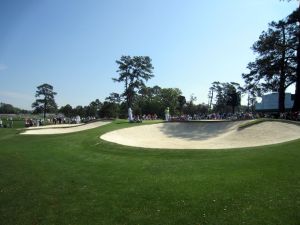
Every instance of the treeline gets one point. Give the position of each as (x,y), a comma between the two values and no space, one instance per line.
(10,109)
(226,98)
(147,101)
(275,68)
(134,72)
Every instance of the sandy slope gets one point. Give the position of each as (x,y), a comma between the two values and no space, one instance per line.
(64,130)
(54,126)
(204,135)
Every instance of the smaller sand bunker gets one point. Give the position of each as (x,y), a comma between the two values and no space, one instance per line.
(63,129)
(55,126)
(204,135)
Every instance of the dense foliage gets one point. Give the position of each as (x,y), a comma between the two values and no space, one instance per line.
(45,102)
(133,72)
(227,96)
(274,68)
(10,109)
(295,18)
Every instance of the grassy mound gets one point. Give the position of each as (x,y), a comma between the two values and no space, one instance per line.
(261,120)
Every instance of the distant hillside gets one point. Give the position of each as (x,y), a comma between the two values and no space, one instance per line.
(10,109)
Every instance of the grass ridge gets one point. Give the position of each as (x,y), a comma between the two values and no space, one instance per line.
(261,120)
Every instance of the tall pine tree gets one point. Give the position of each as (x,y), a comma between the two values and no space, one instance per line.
(45,101)
(274,68)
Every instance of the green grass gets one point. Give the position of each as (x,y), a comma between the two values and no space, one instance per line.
(80,179)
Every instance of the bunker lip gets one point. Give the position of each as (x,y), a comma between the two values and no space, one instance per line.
(54,126)
(64,130)
(204,135)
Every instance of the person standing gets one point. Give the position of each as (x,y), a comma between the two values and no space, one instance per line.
(167,114)
(130,117)
(11,122)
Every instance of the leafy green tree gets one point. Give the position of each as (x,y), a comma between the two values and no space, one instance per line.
(216,92)
(211,92)
(45,101)
(228,97)
(253,90)
(111,106)
(79,110)
(190,108)
(93,108)
(148,101)
(156,90)
(232,96)
(67,110)
(202,108)
(181,103)
(109,110)
(154,100)
(8,109)
(275,66)
(169,98)
(295,19)
(114,97)
(134,72)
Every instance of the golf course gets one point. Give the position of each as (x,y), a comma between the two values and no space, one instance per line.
(150,112)
(79,178)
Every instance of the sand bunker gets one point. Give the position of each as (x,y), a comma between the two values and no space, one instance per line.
(204,135)
(63,129)
(54,126)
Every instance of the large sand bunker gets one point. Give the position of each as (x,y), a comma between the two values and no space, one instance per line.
(204,135)
(63,129)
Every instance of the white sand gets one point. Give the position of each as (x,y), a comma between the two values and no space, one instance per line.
(204,135)
(64,130)
(54,126)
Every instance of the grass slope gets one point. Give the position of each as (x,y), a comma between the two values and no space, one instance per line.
(261,120)
(80,179)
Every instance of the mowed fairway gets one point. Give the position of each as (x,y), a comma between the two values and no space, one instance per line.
(78,178)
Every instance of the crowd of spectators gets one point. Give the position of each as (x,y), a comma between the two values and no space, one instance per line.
(29,122)
(9,123)
(213,116)
(139,118)
(222,116)
(238,116)
(149,117)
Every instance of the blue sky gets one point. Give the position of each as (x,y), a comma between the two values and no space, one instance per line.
(73,45)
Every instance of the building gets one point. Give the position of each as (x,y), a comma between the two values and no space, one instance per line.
(269,102)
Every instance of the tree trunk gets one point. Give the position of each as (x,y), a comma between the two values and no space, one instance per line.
(126,91)
(45,107)
(282,78)
(296,106)
(281,99)
(211,98)
(248,102)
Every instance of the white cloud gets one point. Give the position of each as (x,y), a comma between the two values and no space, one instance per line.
(3,67)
